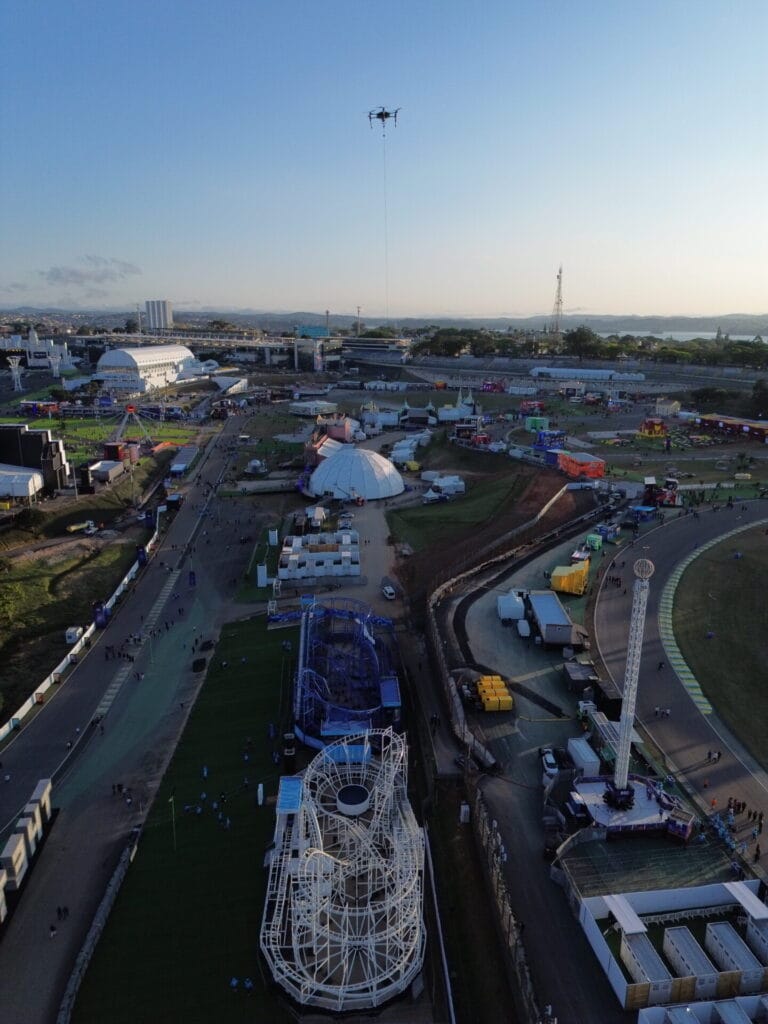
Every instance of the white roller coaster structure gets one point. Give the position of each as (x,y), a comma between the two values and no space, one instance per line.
(343,926)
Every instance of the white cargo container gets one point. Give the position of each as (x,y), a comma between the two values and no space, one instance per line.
(731,953)
(689,960)
(510,607)
(584,757)
(645,966)
(523,628)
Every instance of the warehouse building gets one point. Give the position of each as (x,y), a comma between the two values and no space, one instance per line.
(138,370)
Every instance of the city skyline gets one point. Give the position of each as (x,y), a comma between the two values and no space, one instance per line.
(224,159)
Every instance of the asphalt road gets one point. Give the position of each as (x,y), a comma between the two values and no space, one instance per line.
(141,729)
(562,965)
(686,735)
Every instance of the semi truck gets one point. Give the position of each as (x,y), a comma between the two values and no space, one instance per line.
(552,620)
(584,757)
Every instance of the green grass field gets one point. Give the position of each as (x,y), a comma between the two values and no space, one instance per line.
(38,601)
(187,920)
(421,525)
(84,438)
(722,594)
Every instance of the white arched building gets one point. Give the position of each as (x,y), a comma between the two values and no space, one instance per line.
(356,473)
(142,369)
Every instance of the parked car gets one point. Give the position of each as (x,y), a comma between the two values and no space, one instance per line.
(548,762)
(389,592)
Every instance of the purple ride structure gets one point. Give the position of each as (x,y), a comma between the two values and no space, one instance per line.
(346,678)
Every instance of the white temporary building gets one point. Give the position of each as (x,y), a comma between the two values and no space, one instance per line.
(356,473)
(141,369)
(18,482)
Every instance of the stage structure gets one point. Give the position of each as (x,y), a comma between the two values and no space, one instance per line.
(343,928)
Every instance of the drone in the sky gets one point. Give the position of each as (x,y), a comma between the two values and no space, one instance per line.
(383,115)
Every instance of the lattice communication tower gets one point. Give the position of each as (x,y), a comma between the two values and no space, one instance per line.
(557,309)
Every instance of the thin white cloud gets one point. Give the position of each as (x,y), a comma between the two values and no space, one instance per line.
(98,270)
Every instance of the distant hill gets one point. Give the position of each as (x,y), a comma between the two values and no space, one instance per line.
(730,323)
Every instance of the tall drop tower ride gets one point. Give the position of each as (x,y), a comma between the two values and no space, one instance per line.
(619,794)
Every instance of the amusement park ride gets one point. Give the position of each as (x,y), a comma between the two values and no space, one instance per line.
(666,495)
(131,416)
(619,793)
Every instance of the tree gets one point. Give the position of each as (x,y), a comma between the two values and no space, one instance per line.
(84,330)
(581,341)
(381,332)
(131,325)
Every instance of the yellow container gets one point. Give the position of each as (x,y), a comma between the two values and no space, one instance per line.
(506,703)
(491,704)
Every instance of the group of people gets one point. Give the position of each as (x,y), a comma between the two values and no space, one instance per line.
(62,913)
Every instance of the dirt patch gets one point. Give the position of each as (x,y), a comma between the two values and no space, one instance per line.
(424,570)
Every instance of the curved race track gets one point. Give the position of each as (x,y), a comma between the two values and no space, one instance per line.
(686,735)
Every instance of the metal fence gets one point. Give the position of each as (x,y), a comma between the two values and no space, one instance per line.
(494,856)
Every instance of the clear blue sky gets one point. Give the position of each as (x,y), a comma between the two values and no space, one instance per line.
(219,155)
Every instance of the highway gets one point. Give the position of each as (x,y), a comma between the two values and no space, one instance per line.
(140,730)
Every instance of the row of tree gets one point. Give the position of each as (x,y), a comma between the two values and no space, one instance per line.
(753,404)
(584,343)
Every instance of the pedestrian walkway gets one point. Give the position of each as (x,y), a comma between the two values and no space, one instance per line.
(112,691)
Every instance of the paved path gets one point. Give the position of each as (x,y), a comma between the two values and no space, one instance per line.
(144,718)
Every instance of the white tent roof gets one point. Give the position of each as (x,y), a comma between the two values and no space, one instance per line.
(356,472)
(139,358)
(19,482)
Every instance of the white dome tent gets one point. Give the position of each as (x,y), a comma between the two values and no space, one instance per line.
(356,473)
